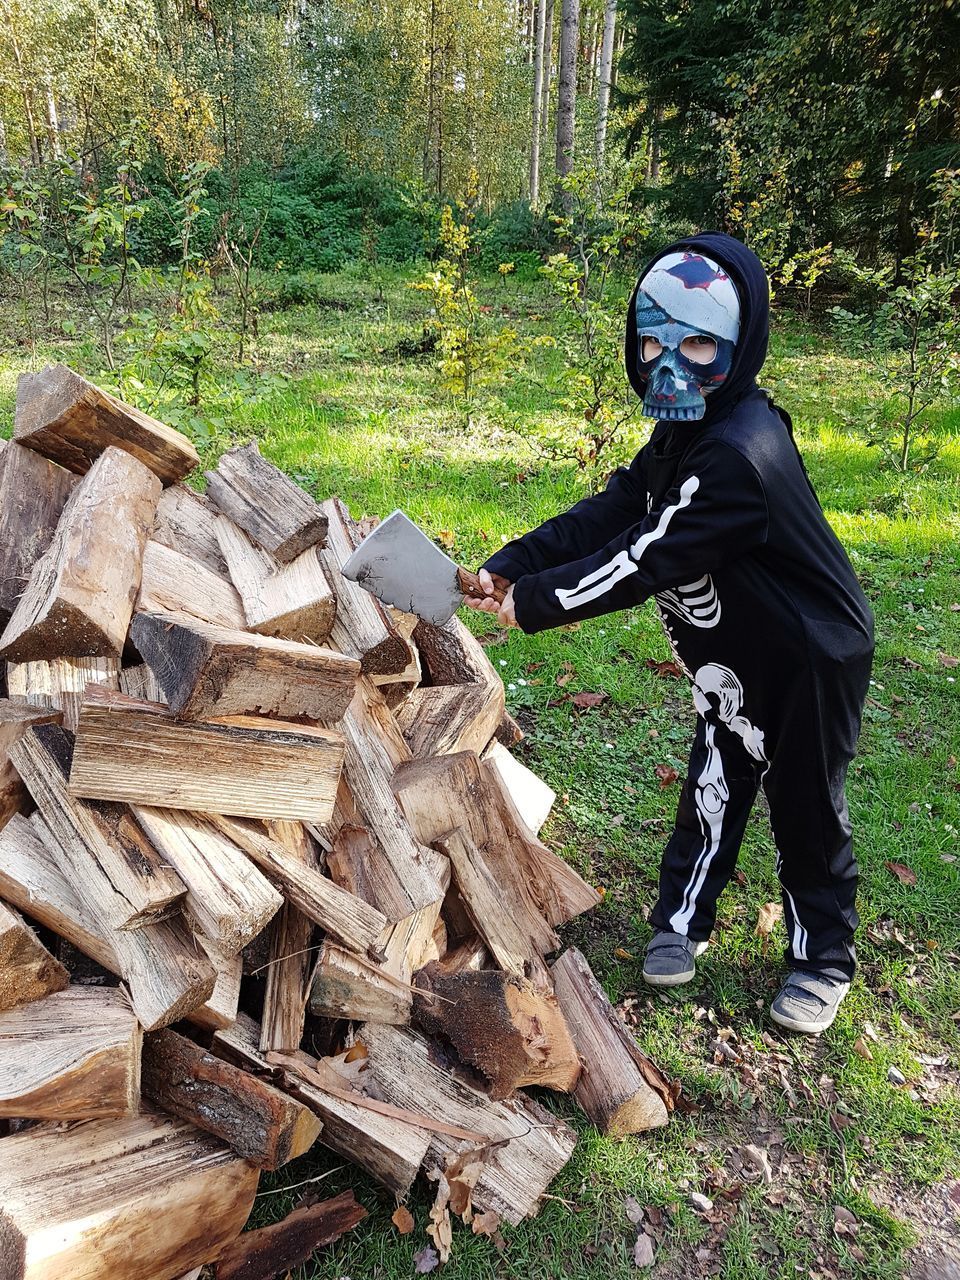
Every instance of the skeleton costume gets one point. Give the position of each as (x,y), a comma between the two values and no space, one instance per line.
(716,518)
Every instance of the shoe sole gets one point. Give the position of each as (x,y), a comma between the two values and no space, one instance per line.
(674,979)
(794,1024)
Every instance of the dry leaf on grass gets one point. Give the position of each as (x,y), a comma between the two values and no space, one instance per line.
(947,661)
(904,874)
(769,915)
(426,1260)
(758,1159)
(861,1047)
(844,1222)
(669,670)
(440,1229)
(666,775)
(643,1251)
(587,701)
(402,1219)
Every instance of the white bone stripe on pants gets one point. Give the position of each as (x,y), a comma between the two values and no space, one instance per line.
(624,563)
(712,795)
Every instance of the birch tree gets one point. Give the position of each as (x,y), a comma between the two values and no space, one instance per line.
(567,91)
(605,78)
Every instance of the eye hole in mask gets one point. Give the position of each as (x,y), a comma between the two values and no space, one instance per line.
(698,348)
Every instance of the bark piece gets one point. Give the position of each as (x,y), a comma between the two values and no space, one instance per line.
(293,601)
(208,671)
(15,720)
(513,1034)
(277,514)
(187,522)
(81,592)
(444,719)
(354,922)
(227,898)
(66,418)
(276,1249)
(168,975)
(531,796)
(73,1056)
(292,958)
(388,1149)
(137,752)
(144,1195)
(620,1090)
(120,872)
(173,583)
(59,683)
(27,969)
(402,1069)
(33,493)
(258,1121)
(362,627)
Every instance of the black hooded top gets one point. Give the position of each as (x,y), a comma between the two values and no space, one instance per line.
(716,518)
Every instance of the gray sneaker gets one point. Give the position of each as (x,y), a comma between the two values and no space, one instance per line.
(671,959)
(808,1002)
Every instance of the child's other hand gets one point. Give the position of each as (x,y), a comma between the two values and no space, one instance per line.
(505,611)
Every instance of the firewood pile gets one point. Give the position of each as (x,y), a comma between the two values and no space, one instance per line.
(269,875)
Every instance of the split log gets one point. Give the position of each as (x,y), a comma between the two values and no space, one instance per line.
(59,683)
(513,1034)
(291,959)
(452,654)
(362,628)
(137,752)
(469,956)
(346,987)
(118,870)
(223,1005)
(33,493)
(532,1145)
(276,513)
(15,719)
(173,583)
(139,682)
(73,1056)
(620,1090)
(444,719)
(80,596)
(66,418)
(228,898)
(27,969)
(258,1121)
(187,522)
(531,796)
(208,671)
(122,875)
(390,1150)
(277,1249)
(168,976)
(354,922)
(145,1195)
(292,601)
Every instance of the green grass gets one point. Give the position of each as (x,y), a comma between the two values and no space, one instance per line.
(355,419)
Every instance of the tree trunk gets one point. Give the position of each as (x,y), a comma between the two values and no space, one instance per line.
(547,76)
(538,69)
(567,97)
(605,77)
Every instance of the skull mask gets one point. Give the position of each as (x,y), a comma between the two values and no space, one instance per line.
(688,322)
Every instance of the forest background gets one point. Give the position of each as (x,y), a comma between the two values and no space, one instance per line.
(394,244)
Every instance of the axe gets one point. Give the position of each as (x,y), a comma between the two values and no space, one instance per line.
(401,566)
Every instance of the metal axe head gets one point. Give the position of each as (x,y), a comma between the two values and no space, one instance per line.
(401,566)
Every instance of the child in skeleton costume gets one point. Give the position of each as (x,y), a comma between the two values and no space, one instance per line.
(716,518)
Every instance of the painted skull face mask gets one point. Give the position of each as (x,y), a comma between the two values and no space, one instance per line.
(688,322)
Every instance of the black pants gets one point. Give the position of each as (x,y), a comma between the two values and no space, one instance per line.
(809,740)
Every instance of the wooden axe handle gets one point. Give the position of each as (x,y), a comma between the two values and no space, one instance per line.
(470,586)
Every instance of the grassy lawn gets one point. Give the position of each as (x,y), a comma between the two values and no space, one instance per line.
(356,417)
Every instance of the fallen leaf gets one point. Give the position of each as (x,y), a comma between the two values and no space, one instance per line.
(947,661)
(402,1219)
(669,670)
(903,873)
(844,1222)
(623,954)
(634,1210)
(643,1251)
(861,1047)
(564,679)
(446,538)
(769,915)
(440,1229)
(587,701)
(666,775)
(759,1160)
(426,1260)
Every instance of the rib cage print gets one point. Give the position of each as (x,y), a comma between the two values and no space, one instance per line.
(695,603)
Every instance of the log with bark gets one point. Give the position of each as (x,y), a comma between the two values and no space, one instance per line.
(206,671)
(292,601)
(276,513)
(73,1056)
(27,969)
(144,1195)
(66,418)
(33,493)
(274,1250)
(620,1089)
(258,1121)
(81,592)
(137,752)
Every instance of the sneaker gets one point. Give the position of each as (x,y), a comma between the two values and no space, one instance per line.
(671,959)
(808,1002)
